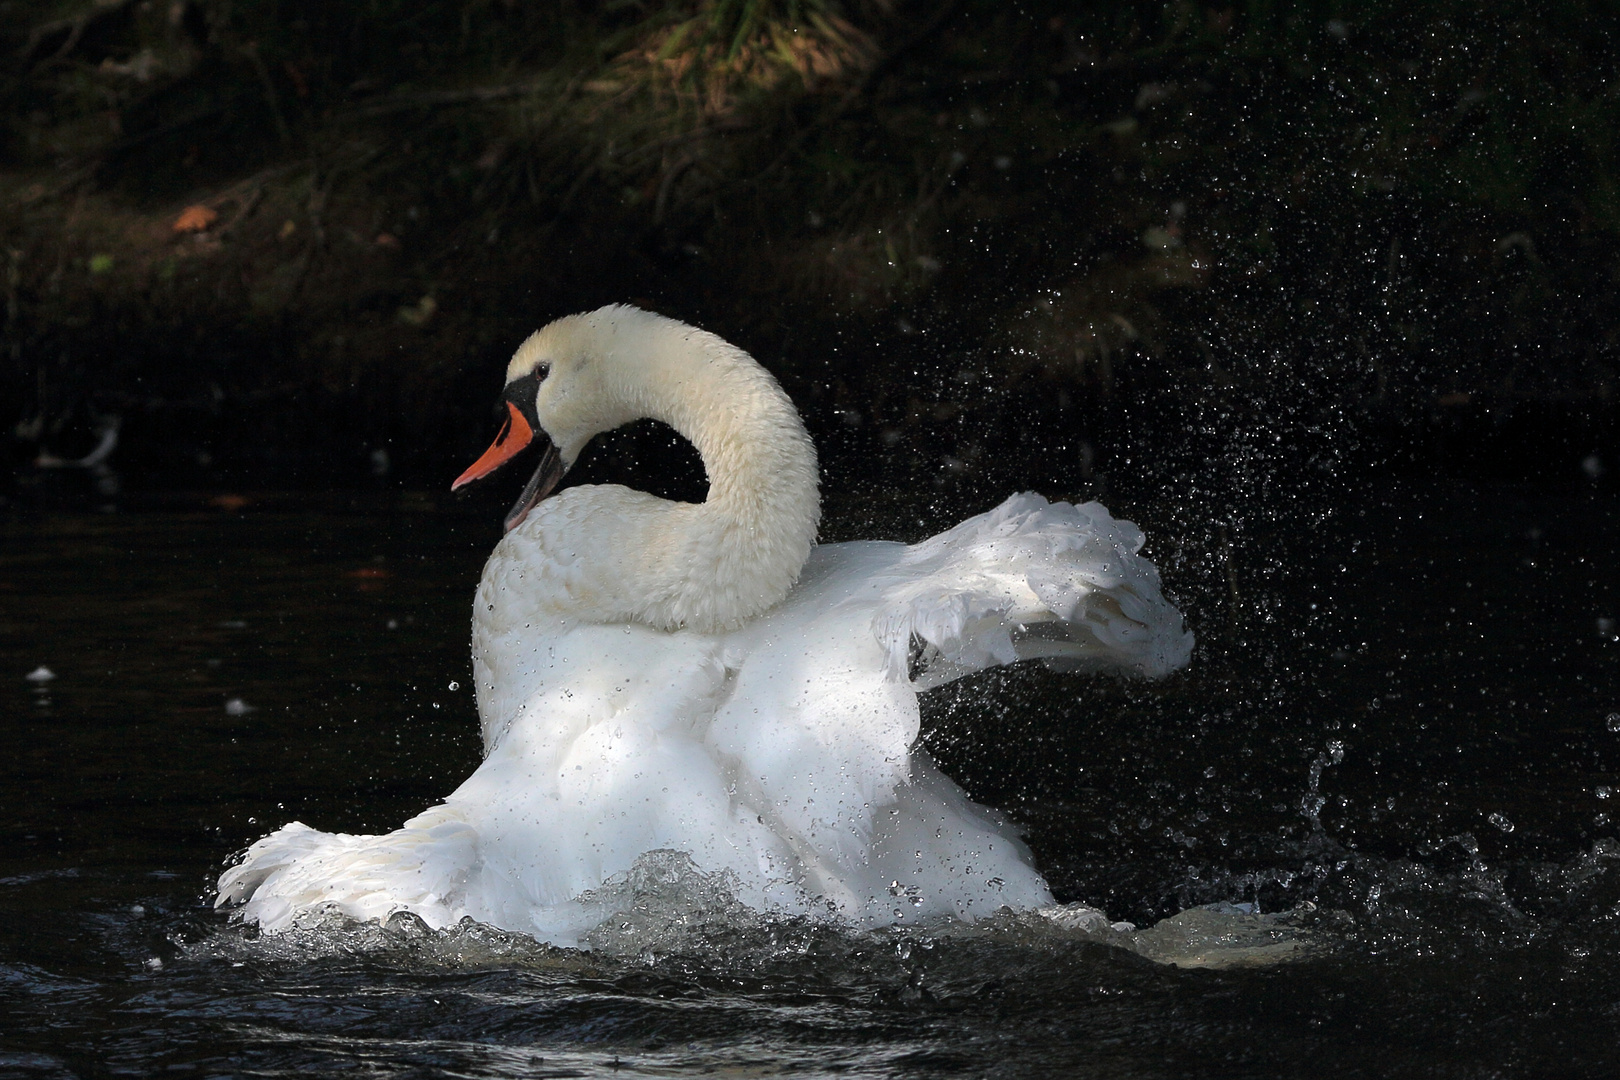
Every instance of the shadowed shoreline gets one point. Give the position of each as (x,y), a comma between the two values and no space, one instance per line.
(979,248)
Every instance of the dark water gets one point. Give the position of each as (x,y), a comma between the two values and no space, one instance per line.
(1402,723)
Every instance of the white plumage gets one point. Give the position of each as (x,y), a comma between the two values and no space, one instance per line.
(651,678)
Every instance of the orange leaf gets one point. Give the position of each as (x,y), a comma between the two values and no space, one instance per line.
(195,219)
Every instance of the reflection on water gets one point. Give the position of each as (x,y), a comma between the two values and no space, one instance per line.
(1396,732)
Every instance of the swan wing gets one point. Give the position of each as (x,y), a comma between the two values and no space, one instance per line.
(1029,580)
(818,731)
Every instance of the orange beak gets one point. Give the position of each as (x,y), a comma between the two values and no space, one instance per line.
(515,435)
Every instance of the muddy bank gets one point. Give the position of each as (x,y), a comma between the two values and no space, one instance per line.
(981,245)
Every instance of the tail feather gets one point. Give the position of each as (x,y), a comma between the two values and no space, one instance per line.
(423,867)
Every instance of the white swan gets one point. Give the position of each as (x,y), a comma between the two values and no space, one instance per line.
(699,678)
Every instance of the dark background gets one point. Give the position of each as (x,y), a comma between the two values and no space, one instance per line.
(983,244)
(1321,295)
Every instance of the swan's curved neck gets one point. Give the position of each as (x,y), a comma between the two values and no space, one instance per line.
(740,551)
(760,461)
(609,554)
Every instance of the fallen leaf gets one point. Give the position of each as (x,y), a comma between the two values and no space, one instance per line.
(195,219)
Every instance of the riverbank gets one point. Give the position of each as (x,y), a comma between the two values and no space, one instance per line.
(979,248)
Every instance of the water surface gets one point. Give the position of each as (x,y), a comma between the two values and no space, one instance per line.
(1402,725)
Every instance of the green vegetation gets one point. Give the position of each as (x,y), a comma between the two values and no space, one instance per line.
(942,223)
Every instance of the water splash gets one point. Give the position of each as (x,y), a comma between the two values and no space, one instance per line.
(1312,801)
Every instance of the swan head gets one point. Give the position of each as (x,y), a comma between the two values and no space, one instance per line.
(713,564)
(564,386)
(586,374)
